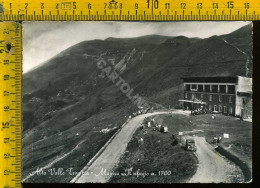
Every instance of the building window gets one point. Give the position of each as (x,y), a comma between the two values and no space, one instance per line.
(207,88)
(220,98)
(193,96)
(231,89)
(200,88)
(187,87)
(194,87)
(222,88)
(210,97)
(210,107)
(201,96)
(214,89)
(186,95)
(225,109)
(215,108)
(220,108)
(230,99)
(230,110)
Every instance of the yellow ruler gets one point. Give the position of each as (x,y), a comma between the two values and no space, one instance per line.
(10,104)
(47,10)
(129,10)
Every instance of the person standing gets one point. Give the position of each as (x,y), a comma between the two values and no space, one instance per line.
(219,139)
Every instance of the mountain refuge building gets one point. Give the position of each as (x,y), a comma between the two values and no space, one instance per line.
(226,95)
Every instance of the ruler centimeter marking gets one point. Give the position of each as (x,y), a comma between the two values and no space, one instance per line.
(158,10)
(10,104)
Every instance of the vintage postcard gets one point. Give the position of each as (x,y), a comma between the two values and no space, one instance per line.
(137,102)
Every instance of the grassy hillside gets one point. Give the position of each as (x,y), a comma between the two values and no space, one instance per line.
(68,94)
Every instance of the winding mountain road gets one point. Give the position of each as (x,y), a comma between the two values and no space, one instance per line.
(213,168)
(101,169)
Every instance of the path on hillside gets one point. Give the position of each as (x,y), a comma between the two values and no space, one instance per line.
(213,168)
(57,159)
(99,171)
(247,56)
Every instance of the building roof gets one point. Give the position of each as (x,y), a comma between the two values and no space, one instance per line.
(232,79)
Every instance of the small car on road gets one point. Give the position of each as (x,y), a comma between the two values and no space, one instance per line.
(190,145)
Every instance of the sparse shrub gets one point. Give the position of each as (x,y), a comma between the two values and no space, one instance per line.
(83,118)
(59,104)
(76,121)
(46,117)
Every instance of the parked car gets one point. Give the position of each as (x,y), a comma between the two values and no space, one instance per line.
(190,145)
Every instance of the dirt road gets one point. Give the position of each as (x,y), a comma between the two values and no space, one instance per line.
(213,168)
(101,169)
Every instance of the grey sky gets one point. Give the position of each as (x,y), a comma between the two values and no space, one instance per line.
(43,40)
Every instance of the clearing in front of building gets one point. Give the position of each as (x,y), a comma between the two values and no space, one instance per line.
(151,151)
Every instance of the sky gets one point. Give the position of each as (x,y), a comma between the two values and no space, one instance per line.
(44,40)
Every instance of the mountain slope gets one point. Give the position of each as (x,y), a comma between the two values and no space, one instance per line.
(68,100)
